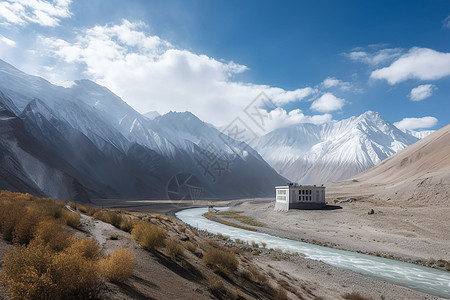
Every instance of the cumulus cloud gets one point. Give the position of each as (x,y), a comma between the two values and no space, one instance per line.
(7,41)
(422,92)
(332,82)
(289,96)
(44,13)
(327,103)
(375,58)
(418,63)
(279,117)
(151,74)
(416,123)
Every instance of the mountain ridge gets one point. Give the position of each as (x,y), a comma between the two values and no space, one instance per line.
(313,154)
(111,150)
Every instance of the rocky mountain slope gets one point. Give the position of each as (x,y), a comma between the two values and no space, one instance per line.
(109,150)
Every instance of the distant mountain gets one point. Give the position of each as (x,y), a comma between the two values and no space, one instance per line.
(104,148)
(315,154)
(151,114)
(419,174)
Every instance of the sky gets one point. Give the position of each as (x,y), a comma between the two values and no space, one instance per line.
(295,61)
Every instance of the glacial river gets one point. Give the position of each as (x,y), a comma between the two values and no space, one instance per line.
(433,281)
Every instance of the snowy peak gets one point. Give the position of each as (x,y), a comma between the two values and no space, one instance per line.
(311,154)
(152,115)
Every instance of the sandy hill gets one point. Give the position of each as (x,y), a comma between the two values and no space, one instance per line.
(419,174)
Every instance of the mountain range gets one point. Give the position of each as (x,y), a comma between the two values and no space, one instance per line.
(83,141)
(418,175)
(315,154)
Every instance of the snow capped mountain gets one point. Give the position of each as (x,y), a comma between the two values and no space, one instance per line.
(314,154)
(418,134)
(151,115)
(111,150)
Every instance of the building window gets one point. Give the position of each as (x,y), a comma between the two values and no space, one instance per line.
(281,192)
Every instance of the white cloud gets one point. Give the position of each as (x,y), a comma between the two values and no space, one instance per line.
(375,58)
(416,123)
(44,13)
(151,74)
(446,22)
(279,117)
(289,96)
(7,41)
(327,103)
(418,63)
(331,82)
(421,92)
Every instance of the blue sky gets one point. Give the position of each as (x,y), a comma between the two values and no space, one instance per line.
(316,60)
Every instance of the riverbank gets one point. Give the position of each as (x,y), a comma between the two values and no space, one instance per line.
(322,279)
(411,234)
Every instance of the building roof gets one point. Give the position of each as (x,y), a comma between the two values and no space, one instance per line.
(299,186)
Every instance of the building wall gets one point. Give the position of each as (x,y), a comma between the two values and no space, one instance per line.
(300,197)
(280,203)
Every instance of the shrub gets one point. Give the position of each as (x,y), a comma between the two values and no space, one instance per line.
(355,296)
(25,273)
(71,205)
(126,224)
(149,236)
(118,266)
(71,219)
(54,265)
(92,210)
(10,216)
(25,227)
(74,275)
(247,275)
(215,285)
(263,245)
(224,261)
(114,219)
(174,249)
(441,263)
(51,233)
(280,294)
(82,208)
(87,248)
(190,246)
(38,272)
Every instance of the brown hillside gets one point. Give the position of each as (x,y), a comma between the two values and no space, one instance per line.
(419,174)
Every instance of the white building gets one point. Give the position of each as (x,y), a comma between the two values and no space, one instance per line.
(299,196)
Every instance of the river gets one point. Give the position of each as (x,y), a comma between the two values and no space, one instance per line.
(425,279)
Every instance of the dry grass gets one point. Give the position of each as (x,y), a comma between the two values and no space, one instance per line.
(47,262)
(118,266)
(190,246)
(355,296)
(174,248)
(213,217)
(37,271)
(87,248)
(215,285)
(225,262)
(280,294)
(236,215)
(149,236)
